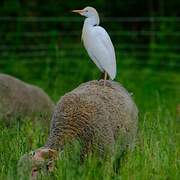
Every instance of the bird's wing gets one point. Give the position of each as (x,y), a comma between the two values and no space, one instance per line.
(103,50)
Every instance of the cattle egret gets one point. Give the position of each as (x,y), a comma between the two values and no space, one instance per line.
(98,43)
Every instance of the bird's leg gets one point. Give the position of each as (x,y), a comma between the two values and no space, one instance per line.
(105,77)
(102,76)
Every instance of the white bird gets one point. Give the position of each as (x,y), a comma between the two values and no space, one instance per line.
(98,43)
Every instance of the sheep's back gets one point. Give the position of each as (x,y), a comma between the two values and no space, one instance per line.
(96,113)
(120,114)
(19,99)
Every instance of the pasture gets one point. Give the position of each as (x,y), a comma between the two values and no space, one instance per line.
(156,92)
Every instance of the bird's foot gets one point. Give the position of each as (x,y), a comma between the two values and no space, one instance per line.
(105,83)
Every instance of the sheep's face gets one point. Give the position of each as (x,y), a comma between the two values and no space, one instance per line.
(40,160)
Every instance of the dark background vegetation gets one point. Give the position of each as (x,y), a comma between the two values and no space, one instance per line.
(40,40)
(154,23)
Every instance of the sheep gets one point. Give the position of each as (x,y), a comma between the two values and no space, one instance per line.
(19,100)
(95,114)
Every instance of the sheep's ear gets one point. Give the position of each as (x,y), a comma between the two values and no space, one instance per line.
(47,153)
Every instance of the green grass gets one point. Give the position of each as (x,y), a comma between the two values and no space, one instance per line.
(156,93)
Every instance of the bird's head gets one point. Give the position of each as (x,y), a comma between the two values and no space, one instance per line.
(38,161)
(87,12)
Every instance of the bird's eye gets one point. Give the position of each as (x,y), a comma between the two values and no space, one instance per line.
(86,10)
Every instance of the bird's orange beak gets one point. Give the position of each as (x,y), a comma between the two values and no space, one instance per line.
(79,11)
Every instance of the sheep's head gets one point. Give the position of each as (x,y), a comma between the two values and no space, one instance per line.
(40,160)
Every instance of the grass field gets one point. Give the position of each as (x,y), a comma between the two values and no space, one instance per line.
(156,92)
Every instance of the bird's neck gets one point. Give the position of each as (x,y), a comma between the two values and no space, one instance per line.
(92,21)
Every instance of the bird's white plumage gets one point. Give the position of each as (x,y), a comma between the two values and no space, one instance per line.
(100,48)
(97,42)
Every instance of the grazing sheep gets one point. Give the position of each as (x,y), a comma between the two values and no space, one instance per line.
(95,114)
(19,100)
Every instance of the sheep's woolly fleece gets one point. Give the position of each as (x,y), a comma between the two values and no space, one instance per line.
(19,99)
(96,114)
(92,113)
